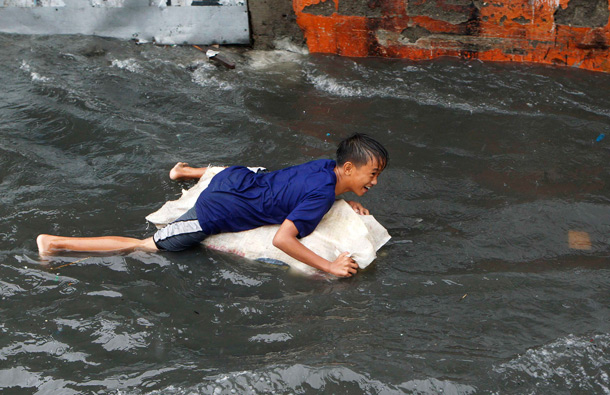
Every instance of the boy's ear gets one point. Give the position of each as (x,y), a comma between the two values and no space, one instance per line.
(348,167)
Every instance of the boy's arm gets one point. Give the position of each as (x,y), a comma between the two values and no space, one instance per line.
(286,240)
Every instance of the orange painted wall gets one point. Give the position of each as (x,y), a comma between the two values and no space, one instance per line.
(496,30)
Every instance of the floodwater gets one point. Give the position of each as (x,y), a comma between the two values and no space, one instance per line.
(479,291)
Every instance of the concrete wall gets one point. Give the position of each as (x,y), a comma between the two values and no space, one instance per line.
(572,33)
(271,20)
(162,21)
(564,32)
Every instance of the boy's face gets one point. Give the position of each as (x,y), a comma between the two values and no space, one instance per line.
(364,177)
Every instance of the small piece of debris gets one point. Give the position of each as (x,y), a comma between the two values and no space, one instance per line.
(217,56)
(579,240)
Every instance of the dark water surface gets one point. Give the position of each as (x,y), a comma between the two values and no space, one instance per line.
(478,291)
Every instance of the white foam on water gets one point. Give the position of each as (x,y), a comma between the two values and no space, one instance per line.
(127,64)
(286,53)
(36,77)
(354,88)
(108,294)
(396,85)
(258,60)
(573,362)
(285,44)
(202,78)
(270,338)
(334,87)
(39,78)
(200,65)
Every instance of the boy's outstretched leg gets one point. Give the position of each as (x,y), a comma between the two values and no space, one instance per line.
(48,244)
(182,171)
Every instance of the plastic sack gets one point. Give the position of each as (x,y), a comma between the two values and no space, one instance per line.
(340,230)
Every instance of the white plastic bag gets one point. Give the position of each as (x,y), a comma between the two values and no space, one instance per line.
(340,230)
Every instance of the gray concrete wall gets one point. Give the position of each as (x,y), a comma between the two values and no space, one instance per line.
(271,20)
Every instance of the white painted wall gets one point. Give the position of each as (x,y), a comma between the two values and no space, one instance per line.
(145,20)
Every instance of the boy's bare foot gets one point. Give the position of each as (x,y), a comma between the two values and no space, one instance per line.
(182,171)
(177,172)
(44,244)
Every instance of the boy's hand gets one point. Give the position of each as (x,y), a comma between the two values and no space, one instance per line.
(343,266)
(286,240)
(358,208)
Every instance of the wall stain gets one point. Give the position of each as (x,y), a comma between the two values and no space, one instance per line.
(323,8)
(573,33)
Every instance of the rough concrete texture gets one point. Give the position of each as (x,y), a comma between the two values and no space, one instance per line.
(325,8)
(368,8)
(583,13)
(564,32)
(271,20)
(455,12)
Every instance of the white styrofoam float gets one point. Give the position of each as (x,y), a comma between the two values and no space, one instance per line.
(340,230)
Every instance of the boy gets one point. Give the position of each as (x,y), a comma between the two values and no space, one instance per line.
(238,199)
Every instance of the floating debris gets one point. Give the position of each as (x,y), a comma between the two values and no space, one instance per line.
(69,263)
(579,240)
(217,56)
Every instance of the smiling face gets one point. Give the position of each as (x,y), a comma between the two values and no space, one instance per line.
(362,178)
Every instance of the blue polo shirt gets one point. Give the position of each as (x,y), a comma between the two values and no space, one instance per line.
(238,199)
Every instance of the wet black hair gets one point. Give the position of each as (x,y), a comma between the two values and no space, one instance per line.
(361,148)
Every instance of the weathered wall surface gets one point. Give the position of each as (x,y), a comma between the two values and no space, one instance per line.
(161,21)
(564,32)
(271,20)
